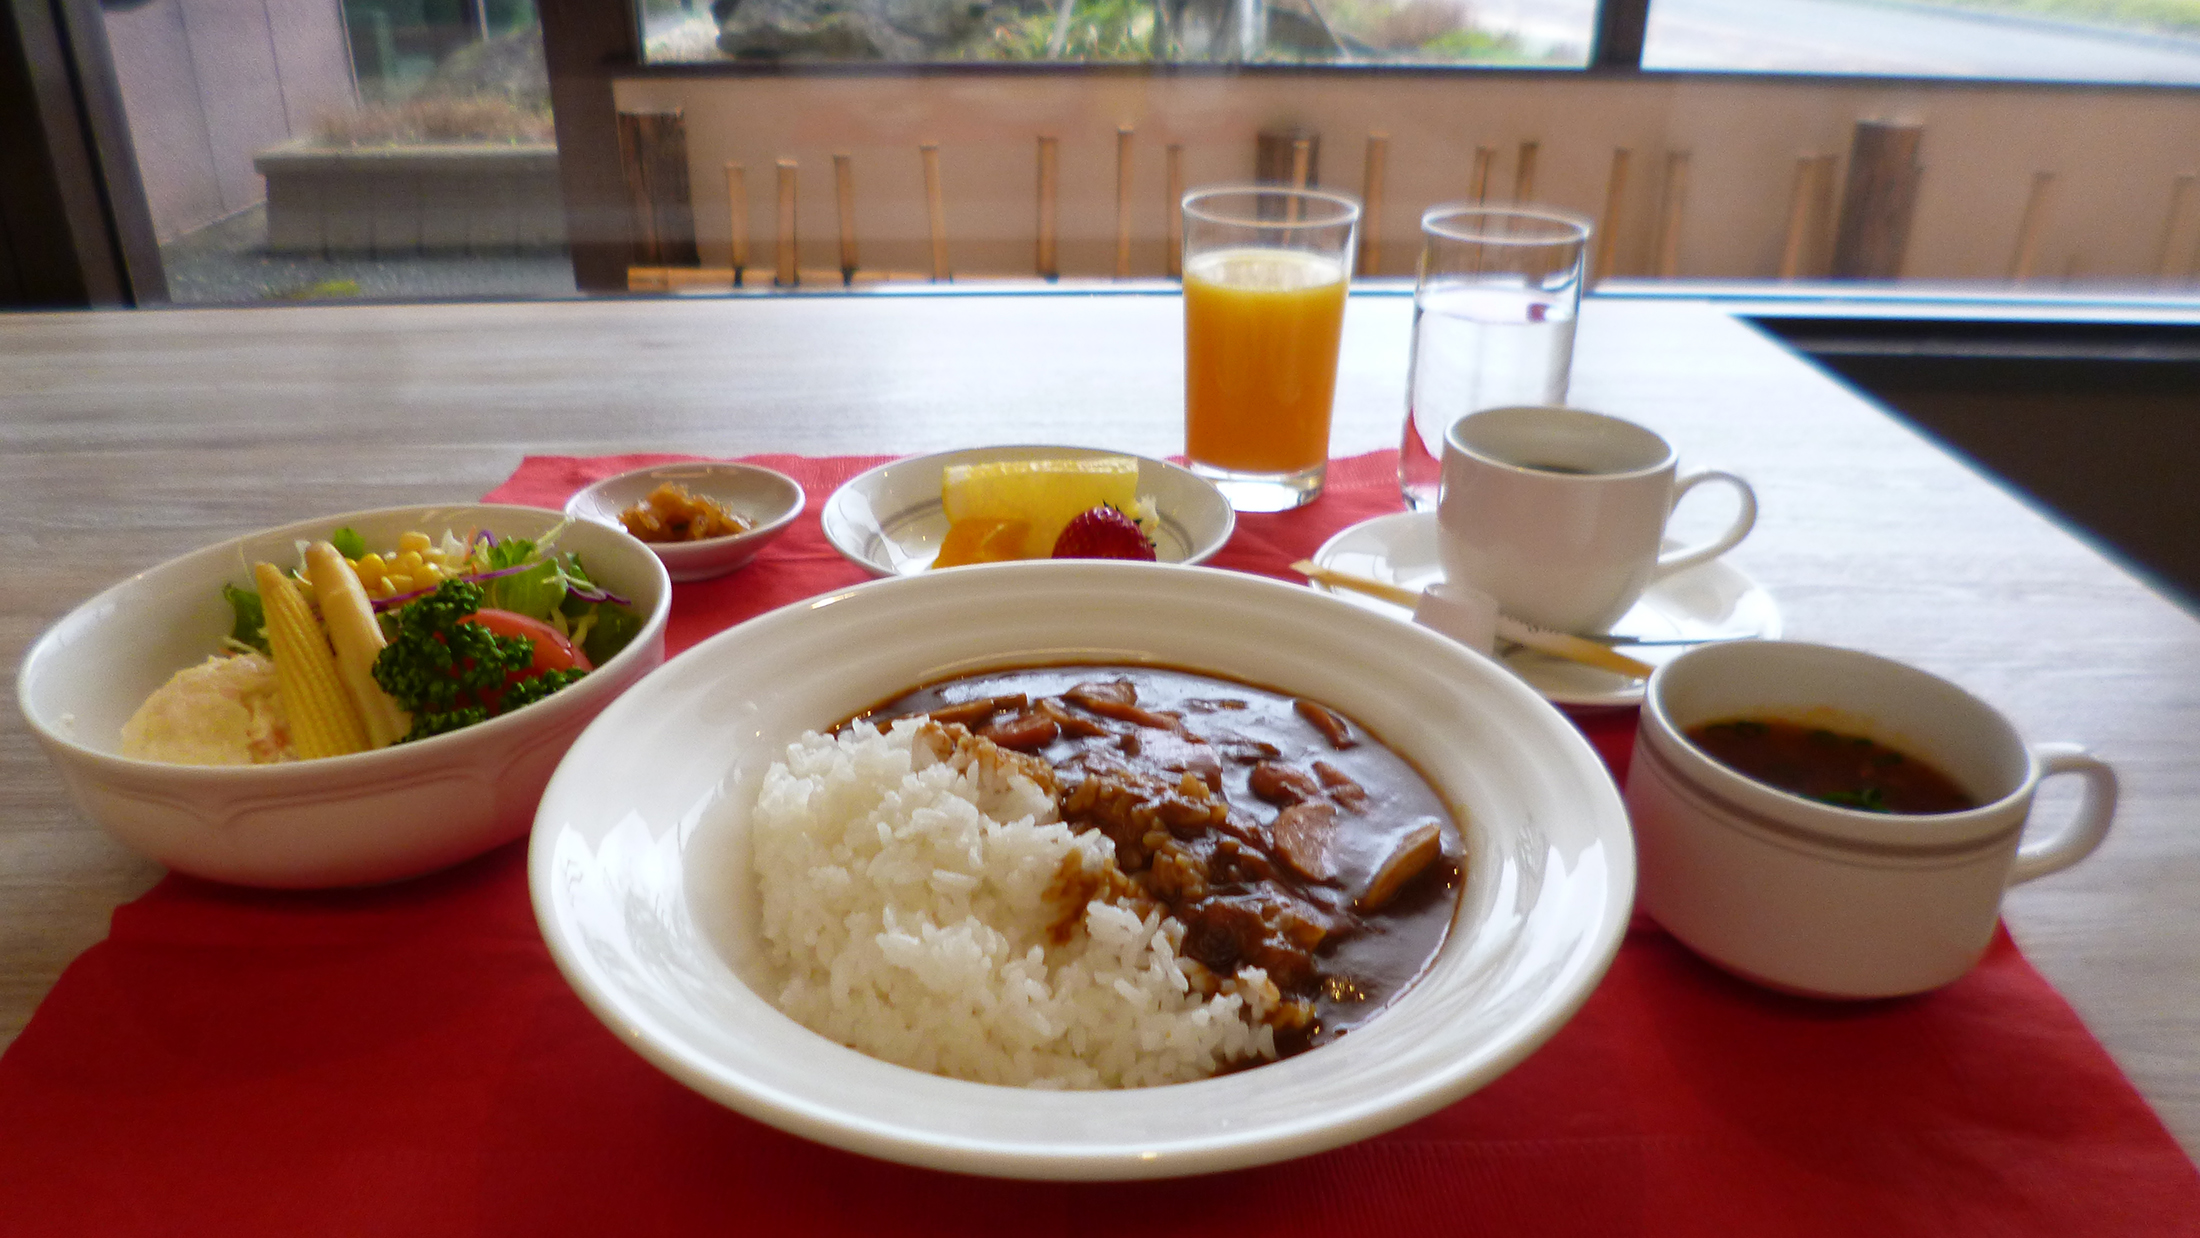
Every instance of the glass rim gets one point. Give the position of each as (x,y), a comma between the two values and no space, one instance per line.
(1563,227)
(1347,207)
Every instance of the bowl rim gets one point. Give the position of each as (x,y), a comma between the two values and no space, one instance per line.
(797,499)
(1892,831)
(1586,959)
(116,764)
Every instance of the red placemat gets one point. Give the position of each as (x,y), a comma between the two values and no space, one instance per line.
(407,1060)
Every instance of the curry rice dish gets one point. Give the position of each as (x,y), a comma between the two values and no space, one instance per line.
(1083,877)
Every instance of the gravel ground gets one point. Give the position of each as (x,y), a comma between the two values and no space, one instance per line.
(227,263)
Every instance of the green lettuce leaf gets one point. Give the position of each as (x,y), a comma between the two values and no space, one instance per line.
(615,626)
(251,623)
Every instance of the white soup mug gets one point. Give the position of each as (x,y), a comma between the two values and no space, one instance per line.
(1559,513)
(1809,897)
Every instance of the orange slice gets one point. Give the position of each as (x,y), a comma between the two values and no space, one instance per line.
(982,539)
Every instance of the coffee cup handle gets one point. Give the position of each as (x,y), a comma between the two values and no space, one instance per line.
(1744,520)
(2086,827)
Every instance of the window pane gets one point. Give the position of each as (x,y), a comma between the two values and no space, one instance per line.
(2036,40)
(311,149)
(1534,33)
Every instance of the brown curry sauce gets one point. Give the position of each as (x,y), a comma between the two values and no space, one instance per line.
(1848,771)
(1306,847)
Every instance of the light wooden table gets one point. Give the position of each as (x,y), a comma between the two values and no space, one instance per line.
(132,437)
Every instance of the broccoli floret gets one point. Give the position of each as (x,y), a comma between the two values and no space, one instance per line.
(451,674)
(528,691)
(426,724)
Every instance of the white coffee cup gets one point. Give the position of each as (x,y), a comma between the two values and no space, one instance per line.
(1813,898)
(1559,513)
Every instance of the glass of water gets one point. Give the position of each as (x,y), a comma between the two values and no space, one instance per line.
(1493,324)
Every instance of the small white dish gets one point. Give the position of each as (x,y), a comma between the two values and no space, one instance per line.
(769,499)
(889,522)
(1710,602)
(642,885)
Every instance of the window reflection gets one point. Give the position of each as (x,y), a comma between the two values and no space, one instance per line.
(1551,33)
(2023,40)
(298,149)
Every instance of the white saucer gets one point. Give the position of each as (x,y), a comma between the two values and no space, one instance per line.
(889,522)
(1707,602)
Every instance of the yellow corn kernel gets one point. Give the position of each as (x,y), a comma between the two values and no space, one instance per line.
(407,561)
(370,569)
(398,582)
(323,720)
(428,574)
(415,542)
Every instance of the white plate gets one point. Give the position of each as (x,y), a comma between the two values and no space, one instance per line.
(640,877)
(1709,602)
(766,497)
(889,521)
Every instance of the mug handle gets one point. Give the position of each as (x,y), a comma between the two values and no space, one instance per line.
(2083,832)
(1744,520)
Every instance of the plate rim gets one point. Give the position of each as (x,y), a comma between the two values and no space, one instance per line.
(1587,958)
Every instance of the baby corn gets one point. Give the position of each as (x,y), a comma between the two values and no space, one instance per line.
(357,638)
(323,720)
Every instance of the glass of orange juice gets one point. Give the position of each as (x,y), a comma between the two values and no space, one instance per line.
(1265,271)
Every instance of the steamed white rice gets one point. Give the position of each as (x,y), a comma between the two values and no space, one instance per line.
(906,897)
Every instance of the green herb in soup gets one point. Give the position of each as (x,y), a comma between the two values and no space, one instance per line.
(1849,771)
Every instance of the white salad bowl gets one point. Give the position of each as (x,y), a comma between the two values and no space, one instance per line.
(370,817)
(640,869)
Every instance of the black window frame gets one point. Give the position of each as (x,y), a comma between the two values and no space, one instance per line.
(77,200)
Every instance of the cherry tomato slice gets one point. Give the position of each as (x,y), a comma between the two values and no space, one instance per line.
(552,651)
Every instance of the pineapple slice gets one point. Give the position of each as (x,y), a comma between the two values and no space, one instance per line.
(1045,494)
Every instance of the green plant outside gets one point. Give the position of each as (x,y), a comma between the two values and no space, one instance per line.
(318,290)
(1107,30)
(1124,31)
(2163,16)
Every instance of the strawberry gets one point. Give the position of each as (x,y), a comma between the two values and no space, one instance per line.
(1103,532)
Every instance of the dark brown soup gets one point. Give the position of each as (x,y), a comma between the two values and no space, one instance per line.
(1848,770)
(1275,830)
